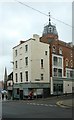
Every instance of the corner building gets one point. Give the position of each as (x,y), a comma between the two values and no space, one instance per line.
(31,68)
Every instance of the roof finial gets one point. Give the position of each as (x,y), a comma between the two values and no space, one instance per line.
(49,18)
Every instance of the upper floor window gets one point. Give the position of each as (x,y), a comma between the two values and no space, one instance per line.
(55,60)
(53,49)
(60,51)
(41,63)
(26,48)
(71,63)
(20,63)
(15,64)
(46,52)
(67,62)
(15,52)
(70,73)
(60,62)
(42,76)
(26,75)
(26,61)
(57,72)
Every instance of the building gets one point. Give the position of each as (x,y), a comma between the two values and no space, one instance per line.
(5,79)
(73,23)
(10,85)
(31,66)
(61,60)
(1,86)
(43,65)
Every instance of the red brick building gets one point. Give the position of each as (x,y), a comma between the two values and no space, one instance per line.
(61,60)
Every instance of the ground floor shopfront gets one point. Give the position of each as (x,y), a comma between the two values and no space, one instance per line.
(61,85)
(22,90)
(57,86)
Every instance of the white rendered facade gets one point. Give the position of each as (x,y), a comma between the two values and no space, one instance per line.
(31,62)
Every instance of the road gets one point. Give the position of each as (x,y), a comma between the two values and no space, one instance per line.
(42,108)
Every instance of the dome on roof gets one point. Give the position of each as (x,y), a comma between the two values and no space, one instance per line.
(50,29)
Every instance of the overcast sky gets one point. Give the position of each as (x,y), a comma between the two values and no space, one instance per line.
(18,22)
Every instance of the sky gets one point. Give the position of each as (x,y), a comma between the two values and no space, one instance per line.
(19,22)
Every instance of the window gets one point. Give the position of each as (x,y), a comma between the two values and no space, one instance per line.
(58,88)
(53,49)
(26,74)
(26,48)
(59,72)
(67,62)
(49,30)
(16,78)
(60,51)
(60,62)
(26,61)
(42,76)
(55,61)
(15,52)
(46,52)
(71,63)
(21,78)
(20,63)
(15,64)
(41,63)
(70,73)
(55,71)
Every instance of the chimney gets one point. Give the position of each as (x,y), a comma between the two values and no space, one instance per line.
(22,41)
(36,37)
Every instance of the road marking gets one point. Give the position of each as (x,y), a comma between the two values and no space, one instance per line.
(37,104)
(41,104)
(47,105)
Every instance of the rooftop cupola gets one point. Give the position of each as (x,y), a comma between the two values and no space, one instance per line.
(50,29)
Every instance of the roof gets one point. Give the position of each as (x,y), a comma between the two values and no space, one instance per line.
(50,29)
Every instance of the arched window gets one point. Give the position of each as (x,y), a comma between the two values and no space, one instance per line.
(67,62)
(60,51)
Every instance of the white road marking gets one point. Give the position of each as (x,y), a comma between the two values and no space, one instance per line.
(47,105)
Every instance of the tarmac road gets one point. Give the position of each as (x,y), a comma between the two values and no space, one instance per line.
(42,108)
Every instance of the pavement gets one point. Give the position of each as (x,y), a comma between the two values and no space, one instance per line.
(66,103)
